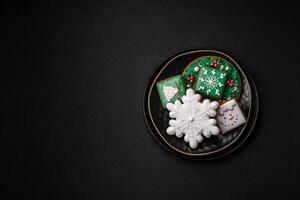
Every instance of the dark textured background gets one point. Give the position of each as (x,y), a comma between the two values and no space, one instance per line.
(73,78)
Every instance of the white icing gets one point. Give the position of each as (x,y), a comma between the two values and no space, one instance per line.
(230,116)
(193,119)
(169,92)
(226,106)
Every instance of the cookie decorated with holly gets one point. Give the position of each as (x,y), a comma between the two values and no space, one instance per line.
(232,88)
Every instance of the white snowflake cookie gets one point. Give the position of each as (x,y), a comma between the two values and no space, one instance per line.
(192,118)
(230,116)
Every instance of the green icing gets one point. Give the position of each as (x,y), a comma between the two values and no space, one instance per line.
(234,90)
(170,89)
(230,92)
(211,82)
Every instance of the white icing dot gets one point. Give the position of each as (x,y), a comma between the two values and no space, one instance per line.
(196,69)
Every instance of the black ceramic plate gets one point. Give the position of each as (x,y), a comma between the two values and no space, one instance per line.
(157,118)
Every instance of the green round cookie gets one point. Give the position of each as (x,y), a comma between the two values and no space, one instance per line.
(233,83)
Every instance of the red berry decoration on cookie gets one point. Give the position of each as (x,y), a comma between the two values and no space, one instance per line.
(232,87)
(214,63)
(230,83)
(191,79)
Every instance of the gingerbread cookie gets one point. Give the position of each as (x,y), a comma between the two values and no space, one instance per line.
(192,118)
(211,82)
(170,89)
(230,116)
(233,84)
